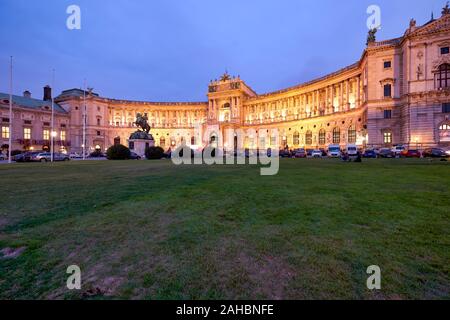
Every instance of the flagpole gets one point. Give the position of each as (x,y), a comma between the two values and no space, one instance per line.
(84,121)
(10,110)
(52,136)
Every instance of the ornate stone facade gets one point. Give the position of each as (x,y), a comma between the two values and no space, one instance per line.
(397,93)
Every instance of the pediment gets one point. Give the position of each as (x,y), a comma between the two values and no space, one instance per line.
(436,26)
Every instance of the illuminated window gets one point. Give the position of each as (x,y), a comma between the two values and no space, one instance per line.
(46,134)
(296,138)
(5,132)
(27,133)
(63,136)
(322,137)
(162,142)
(308,138)
(336,135)
(387,137)
(273,141)
(262,142)
(352,134)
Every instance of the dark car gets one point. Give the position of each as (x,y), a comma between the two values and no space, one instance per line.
(47,156)
(434,153)
(28,157)
(19,157)
(97,154)
(134,156)
(386,153)
(285,154)
(370,154)
(411,154)
(300,153)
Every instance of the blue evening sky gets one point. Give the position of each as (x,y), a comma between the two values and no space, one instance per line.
(168,50)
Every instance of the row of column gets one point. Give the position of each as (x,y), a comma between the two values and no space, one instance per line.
(313,103)
(178,117)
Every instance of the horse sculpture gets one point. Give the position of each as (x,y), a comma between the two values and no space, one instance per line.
(142,122)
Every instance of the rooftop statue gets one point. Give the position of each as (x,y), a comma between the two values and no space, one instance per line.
(371,37)
(225,77)
(446,9)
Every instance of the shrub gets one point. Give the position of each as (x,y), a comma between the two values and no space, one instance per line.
(154,153)
(118,152)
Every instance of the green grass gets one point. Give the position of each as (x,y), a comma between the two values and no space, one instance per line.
(152,230)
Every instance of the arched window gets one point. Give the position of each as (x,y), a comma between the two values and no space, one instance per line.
(308,138)
(322,137)
(387,137)
(336,135)
(443,76)
(352,134)
(193,141)
(162,142)
(444,132)
(296,138)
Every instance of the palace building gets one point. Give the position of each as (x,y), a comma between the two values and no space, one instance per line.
(397,93)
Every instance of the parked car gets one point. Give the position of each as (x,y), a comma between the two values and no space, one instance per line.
(19,157)
(300,153)
(370,154)
(2,157)
(28,157)
(411,154)
(134,156)
(334,151)
(316,154)
(386,153)
(285,154)
(47,156)
(97,154)
(352,151)
(447,152)
(397,150)
(75,155)
(434,153)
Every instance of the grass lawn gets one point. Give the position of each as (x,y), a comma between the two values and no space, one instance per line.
(151,230)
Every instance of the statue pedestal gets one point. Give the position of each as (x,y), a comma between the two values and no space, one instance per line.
(139,145)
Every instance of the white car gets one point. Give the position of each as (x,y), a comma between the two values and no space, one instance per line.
(447,151)
(397,150)
(316,154)
(334,151)
(75,155)
(352,150)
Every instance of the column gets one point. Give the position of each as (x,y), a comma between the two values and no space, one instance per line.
(341,96)
(347,98)
(358,92)
(332,98)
